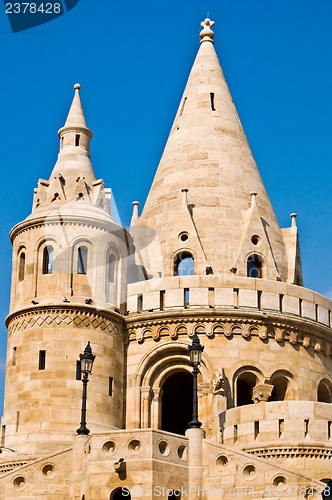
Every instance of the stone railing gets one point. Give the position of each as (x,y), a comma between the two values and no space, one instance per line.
(280,424)
(139,444)
(190,292)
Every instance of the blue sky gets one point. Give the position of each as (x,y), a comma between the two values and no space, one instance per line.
(132,60)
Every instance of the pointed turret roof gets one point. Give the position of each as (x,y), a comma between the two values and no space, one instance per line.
(75,116)
(72,187)
(207,154)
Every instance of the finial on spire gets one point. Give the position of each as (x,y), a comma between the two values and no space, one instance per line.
(77,86)
(207,34)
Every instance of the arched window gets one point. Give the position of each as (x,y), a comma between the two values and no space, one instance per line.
(82,260)
(183,264)
(111,268)
(254,266)
(120,493)
(48,259)
(324,392)
(21,267)
(280,386)
(244,387)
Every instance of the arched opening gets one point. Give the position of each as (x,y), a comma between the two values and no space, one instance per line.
(174,494)
(183,264)
(82,260)
(327,492)
(254,266)
(280,386)
(244,387)
(120,493)
(324,392)
(177,402)
(48,259)
(21,267)
(111,268)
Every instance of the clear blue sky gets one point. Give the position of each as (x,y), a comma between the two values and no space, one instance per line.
(132,60)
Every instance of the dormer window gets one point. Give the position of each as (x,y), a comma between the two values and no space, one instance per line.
(48,259)
(254,266)
(183,264)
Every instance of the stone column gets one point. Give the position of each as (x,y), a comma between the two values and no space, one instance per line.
(145,407)
(195,463)
(156,409)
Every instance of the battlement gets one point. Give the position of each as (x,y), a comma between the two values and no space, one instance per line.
(212,292)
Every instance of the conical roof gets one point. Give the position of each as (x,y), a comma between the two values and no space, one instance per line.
(207,155)
(72,188)
(75,116)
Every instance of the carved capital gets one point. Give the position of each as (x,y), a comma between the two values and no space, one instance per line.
(261,393)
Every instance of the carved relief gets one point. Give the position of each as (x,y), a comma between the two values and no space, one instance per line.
(218,383)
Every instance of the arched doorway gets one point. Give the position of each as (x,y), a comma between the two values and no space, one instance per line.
(244,387)
(177,402)
(120,493)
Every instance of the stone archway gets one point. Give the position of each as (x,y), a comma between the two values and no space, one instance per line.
(177,402)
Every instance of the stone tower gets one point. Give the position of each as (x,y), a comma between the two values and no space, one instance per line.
(206,259)
(67,289)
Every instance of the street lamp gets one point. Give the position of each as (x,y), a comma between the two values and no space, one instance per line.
(195,353)
(86,359)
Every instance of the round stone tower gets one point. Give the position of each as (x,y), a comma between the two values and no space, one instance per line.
(220,267)
(69,259)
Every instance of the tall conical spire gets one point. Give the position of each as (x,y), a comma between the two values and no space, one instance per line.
(207,154)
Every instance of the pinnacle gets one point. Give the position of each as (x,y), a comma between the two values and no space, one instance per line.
(76,115)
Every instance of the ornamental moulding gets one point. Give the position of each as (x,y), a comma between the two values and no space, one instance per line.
(53,221)
(227,326)
(54,317)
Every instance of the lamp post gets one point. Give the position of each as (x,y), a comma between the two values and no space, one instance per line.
(195,353)
(86,359)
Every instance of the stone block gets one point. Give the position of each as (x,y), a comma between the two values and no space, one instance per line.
(198,296)
(248,298)
(290,305)
(151,300)
(308,310)
(132,304)
(323,316)
(224,297)
(174,298)
(270,301)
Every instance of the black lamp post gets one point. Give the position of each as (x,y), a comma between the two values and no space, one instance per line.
(86,359)
(195,353)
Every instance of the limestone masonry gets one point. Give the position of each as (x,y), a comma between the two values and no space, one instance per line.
(205,258)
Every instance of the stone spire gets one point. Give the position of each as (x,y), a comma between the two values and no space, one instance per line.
(207,154)
(75,116)
(73,178)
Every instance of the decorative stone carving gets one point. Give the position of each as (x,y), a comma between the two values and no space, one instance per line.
(261,393)
(218,384)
